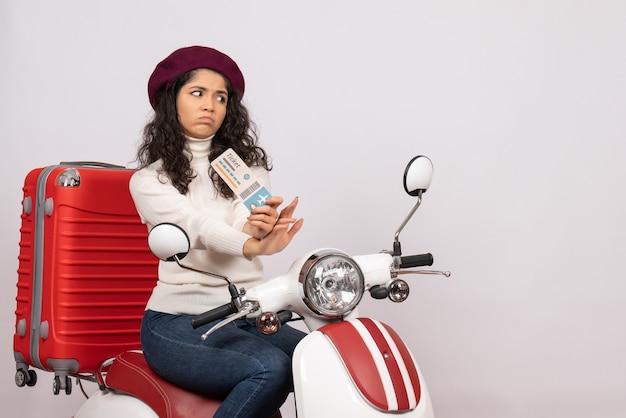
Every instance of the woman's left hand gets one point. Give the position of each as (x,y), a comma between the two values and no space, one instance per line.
(281,235)
(263,218)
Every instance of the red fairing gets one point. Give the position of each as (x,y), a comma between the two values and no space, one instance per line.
(379,363)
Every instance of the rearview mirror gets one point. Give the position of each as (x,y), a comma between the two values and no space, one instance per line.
(168,242)
(418,175)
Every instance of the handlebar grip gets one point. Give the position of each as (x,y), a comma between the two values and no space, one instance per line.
(418,260)
(213,315)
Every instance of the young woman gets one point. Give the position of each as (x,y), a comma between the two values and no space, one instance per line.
(196,96)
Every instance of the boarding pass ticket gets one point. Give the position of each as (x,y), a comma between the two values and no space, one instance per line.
(240,179)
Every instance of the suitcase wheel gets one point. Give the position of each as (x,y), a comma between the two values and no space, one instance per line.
(59,384)
(25,377)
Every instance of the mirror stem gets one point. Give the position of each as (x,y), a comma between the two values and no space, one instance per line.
(396,244)
(217,276)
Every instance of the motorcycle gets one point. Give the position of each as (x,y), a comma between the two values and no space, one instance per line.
(347,365)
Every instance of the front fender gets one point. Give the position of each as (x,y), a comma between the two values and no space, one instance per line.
(358,368)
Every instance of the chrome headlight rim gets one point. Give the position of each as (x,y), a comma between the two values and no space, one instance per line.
(307,267)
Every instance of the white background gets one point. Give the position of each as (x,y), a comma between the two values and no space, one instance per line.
(521,105)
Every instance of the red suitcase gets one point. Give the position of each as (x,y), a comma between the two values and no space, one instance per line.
(85,272)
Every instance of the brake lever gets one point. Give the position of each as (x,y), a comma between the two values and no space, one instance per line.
(436,272)
(249,308)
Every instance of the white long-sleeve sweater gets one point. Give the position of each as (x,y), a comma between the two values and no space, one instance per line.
(214,225)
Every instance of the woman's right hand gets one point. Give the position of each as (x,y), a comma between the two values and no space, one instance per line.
(284,230)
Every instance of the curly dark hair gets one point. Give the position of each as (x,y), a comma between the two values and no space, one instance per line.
(163,138)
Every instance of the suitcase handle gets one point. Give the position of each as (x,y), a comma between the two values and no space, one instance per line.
(91,164)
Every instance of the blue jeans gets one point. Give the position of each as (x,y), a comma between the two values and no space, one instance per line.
(249,370)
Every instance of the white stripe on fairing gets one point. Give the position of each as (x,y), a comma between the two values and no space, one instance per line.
(377,356)
(401,364)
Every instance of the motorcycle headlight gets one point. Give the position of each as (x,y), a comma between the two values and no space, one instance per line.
(331,283)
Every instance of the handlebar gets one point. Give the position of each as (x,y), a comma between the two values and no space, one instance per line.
(418,260)
(213,315)
(230,308)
